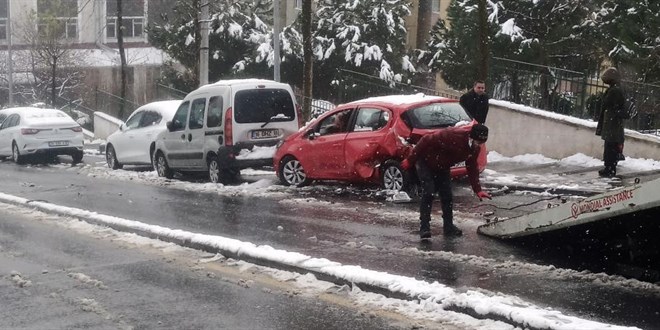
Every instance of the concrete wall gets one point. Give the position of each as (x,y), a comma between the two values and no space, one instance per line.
(517,130)
(104,125)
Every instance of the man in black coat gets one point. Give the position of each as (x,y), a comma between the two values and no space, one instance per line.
(475,102)
(610,122)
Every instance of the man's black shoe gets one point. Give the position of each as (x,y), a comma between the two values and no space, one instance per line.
(452,230)
(424,234)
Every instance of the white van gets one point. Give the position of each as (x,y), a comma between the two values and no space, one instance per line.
(224,127)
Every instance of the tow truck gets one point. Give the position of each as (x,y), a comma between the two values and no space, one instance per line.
(619,227)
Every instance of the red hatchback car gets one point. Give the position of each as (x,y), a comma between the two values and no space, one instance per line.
(365,140)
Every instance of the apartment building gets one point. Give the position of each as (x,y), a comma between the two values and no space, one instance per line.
(89,29)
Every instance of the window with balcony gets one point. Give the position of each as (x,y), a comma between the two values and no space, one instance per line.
(133,18)
(58,18)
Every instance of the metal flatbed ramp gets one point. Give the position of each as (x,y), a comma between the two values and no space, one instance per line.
(622,202)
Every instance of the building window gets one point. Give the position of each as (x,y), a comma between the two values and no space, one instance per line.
(3,19)
(435,6)
(58,18)
(3,28)
(299,4)
(133,18)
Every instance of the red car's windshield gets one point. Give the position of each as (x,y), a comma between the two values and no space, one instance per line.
(436,115)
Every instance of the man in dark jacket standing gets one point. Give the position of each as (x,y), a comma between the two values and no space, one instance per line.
(433,157)
(475,102)
(610,122)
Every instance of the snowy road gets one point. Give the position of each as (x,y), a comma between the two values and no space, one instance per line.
(351,226)
(64,274)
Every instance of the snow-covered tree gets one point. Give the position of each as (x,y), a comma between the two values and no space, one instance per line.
(238,28)
(51,63)
(367,36)
(546,33)
(627,32)
(452,49)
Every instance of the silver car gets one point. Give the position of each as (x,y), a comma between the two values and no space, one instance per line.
(133,143)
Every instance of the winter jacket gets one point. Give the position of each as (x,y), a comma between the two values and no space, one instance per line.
(610,125)
(476,105)
(445,148)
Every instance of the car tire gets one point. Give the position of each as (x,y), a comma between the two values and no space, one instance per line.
(393,177)
(292,173)
(16,154)
(161,166)
(214,169)
(111,158)
(77,157)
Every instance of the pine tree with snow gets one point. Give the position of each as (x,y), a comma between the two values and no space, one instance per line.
(367,36)
(627,33)
(237,29)
(546,33)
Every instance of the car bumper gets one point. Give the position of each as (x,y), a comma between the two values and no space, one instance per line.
(229,157)
(54,151)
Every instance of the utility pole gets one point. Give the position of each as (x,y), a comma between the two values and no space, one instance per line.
(122,59)
(10,65)
(483,41)
(204,46)
(277,28)
(308,60)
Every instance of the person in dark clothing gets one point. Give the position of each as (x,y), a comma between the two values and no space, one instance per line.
(475,102)
(610,122)
(433,157)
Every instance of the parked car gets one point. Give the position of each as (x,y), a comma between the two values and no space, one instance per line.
(28,131)
(226,126)
(135,141)
(365,140)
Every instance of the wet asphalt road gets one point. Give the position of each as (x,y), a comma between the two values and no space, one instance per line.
(55,278)
(356,229)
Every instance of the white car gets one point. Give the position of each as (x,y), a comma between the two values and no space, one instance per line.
(29,131)
(223,127)
(133,143)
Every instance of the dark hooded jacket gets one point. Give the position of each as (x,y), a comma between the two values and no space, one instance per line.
(610,124)
(445,148)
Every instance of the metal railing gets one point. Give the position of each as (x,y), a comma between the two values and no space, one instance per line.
(357,85)
(169,93)
(111,104)
(578,94)
(80,113)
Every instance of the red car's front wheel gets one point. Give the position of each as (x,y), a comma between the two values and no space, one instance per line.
(292,172)
(393,177)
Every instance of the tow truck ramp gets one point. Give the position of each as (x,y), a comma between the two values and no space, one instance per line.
(628,200)
(617,230)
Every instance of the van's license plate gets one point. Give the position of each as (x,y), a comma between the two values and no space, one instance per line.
(265,134)
(58,143)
